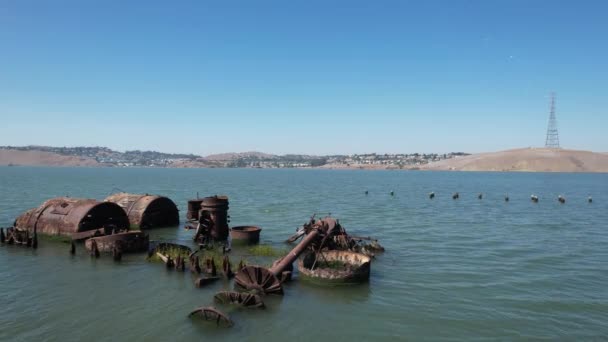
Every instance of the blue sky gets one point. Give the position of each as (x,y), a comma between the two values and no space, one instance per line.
(314,77)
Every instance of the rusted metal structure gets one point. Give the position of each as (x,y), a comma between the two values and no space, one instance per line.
(212,314)
(194,206)
(213,219)
(147,211)
(335,267)
(19,237)
(244,299)
(263,280)
(204,281)
(65,216)
(127,242)
(339,239)
(245,234)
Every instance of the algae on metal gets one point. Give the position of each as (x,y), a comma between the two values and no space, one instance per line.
(267,251)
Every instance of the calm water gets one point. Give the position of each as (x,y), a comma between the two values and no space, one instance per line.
(453,270)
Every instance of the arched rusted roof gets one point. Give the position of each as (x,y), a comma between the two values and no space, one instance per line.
(147,211)
(65,215)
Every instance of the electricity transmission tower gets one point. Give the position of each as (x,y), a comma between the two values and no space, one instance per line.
(552,136)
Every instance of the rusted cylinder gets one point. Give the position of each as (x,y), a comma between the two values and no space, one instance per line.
(245,234)
(215,209)
(147,211)
(194,206)
(64,216)
(288,260)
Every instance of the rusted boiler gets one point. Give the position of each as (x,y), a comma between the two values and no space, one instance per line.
(194,206)
(65,216)
(147,211)
(213,218)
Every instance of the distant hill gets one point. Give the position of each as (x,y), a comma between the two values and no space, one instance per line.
(41,158)
(528,159)
(240,155)
(103,156)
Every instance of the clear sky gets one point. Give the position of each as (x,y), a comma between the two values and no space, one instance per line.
(313,77)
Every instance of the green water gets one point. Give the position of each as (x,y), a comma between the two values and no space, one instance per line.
(454,270)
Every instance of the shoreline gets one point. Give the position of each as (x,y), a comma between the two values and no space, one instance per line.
(350,168)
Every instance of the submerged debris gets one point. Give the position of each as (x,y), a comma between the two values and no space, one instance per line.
(245,234)
(147,211)
(210,313)
(324,233)
(169,263)
(94,250)
(244,299)
(117,251)
(226,268)
(259,280)
(65,216)
(195,266)
(337,238)
(210,267)
(212,220)
(203,281)
(168,250)
(19,237)
(128,242)
(335,267)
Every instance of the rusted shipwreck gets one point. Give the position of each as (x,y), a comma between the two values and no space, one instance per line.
(209,216)
(335,256)
(126,242)
(318,235)
(335,267)
(147,211)
(66,216)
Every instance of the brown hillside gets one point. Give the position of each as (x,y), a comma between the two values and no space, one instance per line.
(529,159)
(39,158)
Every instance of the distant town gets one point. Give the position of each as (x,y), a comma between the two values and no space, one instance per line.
(108,157)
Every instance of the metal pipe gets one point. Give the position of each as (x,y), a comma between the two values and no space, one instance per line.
(294,253)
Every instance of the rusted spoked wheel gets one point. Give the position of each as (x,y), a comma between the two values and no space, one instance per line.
(258,279)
